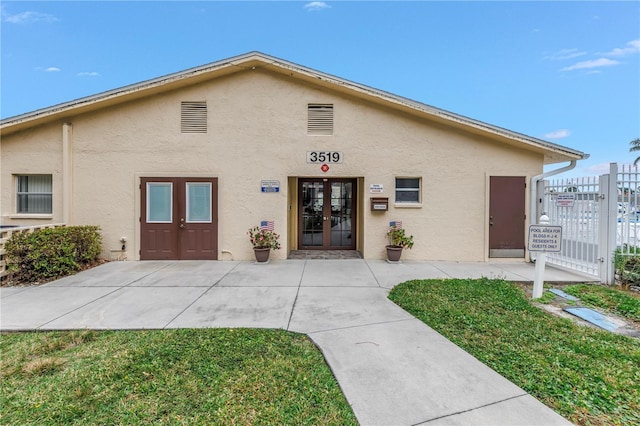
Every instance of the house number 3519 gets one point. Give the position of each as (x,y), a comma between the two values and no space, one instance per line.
(324,157)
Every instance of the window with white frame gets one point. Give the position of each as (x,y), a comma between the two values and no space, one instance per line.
(34,194)
(408,190)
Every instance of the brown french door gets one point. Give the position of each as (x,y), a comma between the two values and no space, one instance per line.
(327,214)
(507,216)
(179,218)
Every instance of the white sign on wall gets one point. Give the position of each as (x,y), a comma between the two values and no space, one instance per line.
(269,185)
(545,238)
(376,188)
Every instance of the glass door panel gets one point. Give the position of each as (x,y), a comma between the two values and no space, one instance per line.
(159,202)
(312,213)
(341,214)
(198,202)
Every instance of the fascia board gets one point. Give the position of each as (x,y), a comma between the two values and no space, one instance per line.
(254,60)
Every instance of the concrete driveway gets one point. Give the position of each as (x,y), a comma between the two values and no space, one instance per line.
(392,368)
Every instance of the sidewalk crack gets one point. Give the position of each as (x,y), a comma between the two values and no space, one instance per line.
(295,300)
(375,277)
(470,409)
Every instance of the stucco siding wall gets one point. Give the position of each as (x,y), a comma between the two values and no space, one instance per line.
(35,151)
(257,130)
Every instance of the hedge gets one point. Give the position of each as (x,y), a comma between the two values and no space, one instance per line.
(51,253)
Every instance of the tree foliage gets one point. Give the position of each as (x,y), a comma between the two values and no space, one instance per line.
(635,147)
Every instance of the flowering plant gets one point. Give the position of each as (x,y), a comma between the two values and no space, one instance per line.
(398,238)
(263,238)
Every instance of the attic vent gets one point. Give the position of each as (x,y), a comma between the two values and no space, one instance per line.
(320,119)
(193,117)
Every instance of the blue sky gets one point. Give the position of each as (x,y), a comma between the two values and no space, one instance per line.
(566,72)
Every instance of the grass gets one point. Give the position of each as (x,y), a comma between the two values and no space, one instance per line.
(589,376)
(547,297)
(623,303)
(208,376)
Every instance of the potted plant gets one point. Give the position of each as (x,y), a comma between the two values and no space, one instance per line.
(398,240)
(263,241)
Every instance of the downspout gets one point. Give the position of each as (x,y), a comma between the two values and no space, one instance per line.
(67,172)
(534,188)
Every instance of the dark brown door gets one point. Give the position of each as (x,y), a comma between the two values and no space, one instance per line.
(507,216)
(179,218)
(327,214)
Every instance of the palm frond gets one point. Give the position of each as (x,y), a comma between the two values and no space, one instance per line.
(635,147)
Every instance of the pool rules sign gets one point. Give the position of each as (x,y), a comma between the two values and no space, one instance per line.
(543,238)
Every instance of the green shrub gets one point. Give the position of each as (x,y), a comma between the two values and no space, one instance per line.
(627,265)
(52,252)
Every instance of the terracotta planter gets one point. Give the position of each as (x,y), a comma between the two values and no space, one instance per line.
(262,254)
(394,253)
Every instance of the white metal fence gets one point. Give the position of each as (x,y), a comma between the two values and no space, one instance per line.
(628,209)
(598,215)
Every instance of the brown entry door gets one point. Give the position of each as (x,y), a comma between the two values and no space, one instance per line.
(179,218)
(507,216)
(327,214)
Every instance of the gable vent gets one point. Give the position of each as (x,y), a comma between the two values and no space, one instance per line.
(193,117)
(320,119)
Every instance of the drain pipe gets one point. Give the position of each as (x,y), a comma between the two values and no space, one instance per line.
(534,192)
(534,188)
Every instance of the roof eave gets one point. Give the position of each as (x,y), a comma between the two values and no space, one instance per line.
(122,94)
(556,153)
(552,153)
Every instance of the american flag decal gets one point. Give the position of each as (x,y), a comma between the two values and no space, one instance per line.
(396,223)
(267,225)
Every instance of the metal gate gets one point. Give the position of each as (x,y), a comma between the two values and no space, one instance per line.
(574,205)
(589,211)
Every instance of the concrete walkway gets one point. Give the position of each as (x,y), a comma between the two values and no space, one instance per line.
(393,369)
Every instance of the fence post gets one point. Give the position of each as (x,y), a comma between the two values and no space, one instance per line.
(608,223)
(541,208)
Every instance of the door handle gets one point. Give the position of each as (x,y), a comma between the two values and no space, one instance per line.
(325,218)
(490,220)
(181,225)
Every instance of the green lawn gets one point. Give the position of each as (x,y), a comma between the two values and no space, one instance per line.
(589,376)
(623,303)
(208,376)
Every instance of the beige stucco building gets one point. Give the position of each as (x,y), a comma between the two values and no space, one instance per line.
(182,166)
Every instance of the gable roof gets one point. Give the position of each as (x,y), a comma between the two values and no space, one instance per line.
(553,153)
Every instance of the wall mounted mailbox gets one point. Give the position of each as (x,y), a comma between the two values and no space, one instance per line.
(379,204)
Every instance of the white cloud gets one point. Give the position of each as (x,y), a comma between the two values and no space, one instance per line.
(88,74)
(632,47)
(594,63)
(28,17)
(48,69)
(565,54)
(558,134)
(315,6)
